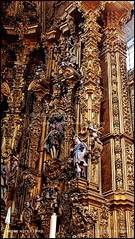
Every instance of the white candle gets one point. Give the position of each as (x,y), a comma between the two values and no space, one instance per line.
(53,225)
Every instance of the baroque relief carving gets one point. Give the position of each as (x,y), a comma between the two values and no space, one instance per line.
(125,102)
(104,221)
(81,219)
(5,90)
(130,166)
(54,96)
(122,225)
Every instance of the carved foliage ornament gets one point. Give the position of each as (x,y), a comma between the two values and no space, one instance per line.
(130,166)
(104,221)
(81,219)
(125,101)
(122,225)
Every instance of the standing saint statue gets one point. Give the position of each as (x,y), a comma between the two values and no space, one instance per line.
(79,152)
(55,136)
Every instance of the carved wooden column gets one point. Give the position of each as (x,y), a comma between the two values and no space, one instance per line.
(71,76)
(35,156)
(12,123)
(91,93)
(117,156)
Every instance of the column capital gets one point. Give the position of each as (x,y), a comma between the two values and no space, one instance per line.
(116,14)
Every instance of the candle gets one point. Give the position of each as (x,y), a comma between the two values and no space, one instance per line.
(53,225)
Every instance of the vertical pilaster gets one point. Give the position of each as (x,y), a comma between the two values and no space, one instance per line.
(117,134)
(114,56)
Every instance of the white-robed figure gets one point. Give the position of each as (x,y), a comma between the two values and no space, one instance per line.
(79,152)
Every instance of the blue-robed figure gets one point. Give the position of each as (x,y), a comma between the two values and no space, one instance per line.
(79,153)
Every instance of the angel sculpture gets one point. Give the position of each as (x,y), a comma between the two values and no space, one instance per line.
(95,134)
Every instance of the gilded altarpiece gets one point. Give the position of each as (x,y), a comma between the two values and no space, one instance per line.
(67,143)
